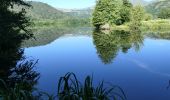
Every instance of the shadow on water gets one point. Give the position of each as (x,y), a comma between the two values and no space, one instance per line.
(108,44)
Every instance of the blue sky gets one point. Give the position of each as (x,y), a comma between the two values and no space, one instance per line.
(70,4)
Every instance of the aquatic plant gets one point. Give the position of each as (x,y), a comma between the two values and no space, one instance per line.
(69,88)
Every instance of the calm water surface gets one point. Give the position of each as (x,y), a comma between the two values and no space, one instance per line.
(138,64)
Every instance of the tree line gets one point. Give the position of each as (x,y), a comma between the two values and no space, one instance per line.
(118,12)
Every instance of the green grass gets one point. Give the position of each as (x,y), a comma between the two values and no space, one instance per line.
(156,25)
(151,25)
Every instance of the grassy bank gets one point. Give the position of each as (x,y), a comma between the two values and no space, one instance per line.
(151,25)
(156,25)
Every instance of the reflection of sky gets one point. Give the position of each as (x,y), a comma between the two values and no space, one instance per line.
(70,4)
(143,75)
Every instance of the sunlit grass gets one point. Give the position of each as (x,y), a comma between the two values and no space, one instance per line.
(150,25)
(156,25)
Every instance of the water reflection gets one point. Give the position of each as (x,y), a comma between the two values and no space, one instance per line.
(108,44)
(159,35)
(47,35)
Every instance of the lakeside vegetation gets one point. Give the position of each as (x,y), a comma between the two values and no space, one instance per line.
(121,14)
(127,17)
(69,88)
(150,25)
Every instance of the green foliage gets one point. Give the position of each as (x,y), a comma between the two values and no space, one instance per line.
(106,11)
(164,13)
(156,25)
(137,15)
(124,12)
(111,12)
(148,17)
(69,88)
(98,15)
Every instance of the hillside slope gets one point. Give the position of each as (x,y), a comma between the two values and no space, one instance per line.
(136,2)
(41,10)
(80,13)
(155,7)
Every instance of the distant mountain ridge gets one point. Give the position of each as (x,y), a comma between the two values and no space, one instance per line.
(141,2)
(81,13)
(41,10)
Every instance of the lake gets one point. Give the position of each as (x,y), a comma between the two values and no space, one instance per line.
(137,62)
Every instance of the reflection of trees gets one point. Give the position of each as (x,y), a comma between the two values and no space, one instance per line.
(108,45)
(159,35)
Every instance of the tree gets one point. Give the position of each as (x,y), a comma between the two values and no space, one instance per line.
(13,23)
(148,16)
(137,15)
(98,17)
(125,12)
(106,12)
(13,30)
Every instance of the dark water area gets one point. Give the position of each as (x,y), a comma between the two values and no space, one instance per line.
(138,63)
